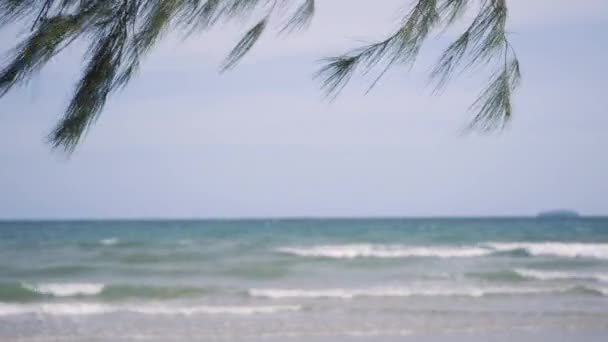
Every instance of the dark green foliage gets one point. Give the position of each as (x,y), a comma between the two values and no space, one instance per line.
(494,104)
(244,45)
(484,40)
(121,32)
(98,81)
(40,46)
(301,18)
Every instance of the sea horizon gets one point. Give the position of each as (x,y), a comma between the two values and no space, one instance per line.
(300,218)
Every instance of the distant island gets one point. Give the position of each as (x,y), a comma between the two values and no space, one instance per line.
(561,213)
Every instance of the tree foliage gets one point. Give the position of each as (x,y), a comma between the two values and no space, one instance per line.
(119,33)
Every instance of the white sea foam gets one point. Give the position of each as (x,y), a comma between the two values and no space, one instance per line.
(78,309)
(377,333)
(384,251)
(85,309)
(109,241)
(340,293)
(350,251)
(562,249)
(557,275)
(233,310)
(11,309)
(66,289)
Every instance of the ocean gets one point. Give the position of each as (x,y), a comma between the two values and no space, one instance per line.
(483,279)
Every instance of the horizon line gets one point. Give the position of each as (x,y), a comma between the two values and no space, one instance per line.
(295,218)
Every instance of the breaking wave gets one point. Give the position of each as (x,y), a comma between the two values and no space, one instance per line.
(341,293)
(109,241)
(82,309)
(350,251)
(66,289)
(558,275)
(384,251)
(560,249)
(18,292)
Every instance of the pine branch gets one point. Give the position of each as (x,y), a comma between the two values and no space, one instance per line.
(32,54)
(301,18)
(120,34)
(244,45)
(98,80)
(484,41)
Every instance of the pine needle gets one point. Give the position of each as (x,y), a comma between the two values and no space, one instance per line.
(120,33)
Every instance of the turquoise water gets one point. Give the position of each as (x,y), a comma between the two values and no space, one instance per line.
(371,279)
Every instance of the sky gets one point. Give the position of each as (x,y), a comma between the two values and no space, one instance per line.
(185,141)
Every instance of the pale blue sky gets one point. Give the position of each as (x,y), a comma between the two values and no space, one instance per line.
(185,141)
